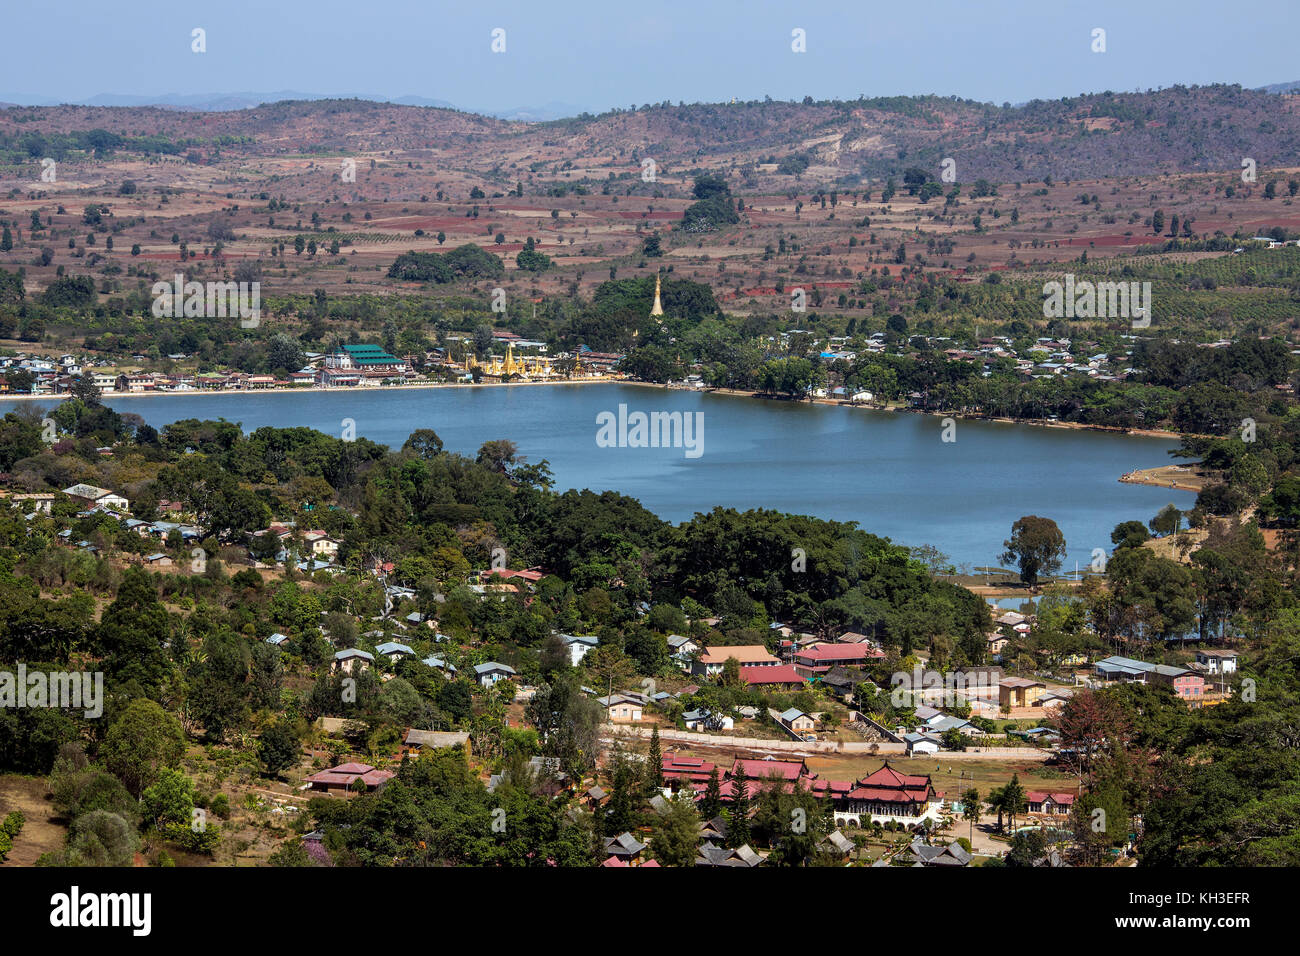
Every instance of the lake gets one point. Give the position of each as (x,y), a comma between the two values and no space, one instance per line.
(889,471)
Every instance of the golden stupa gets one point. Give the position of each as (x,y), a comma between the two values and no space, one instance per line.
(529,367)
(658,308)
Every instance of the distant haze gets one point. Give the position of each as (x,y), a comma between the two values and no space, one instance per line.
(593,56)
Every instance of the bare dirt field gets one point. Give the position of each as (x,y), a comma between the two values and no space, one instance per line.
(41,833)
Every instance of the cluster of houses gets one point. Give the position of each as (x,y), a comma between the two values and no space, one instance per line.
(96,500)
(1045,358)
(1202,684)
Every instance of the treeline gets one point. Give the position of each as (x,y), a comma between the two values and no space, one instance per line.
(26,146)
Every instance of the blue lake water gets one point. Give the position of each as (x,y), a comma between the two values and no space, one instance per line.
(890,472)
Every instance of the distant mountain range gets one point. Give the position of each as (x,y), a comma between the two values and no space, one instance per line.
(224,102)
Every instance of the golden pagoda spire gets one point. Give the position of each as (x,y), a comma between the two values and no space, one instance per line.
(658,308)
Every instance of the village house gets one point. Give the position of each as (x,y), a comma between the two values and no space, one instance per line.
(1186,684)
(680,649)
(417,740)
(624,847)
(705,720)
(492,672)
(394,651)
(711,661)
(1049,804)
(1016,692)
(1216,661)
(352,659)
(440,664)
(40,502)
(921,853)
(340,779)
(797,721)
(321,544)
(579,645)
(842,682)
(742,856)
(528,577)
(781,677)
(922,743)
(817,660)
(620,708)
(98,497)
(680,771)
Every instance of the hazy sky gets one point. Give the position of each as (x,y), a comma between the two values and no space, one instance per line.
(597,54)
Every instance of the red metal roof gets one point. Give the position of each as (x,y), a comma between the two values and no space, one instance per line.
(887,785)
(837,652)
(762,769)
(1038,796)
(781,674)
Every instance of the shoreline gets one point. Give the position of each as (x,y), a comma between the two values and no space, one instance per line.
(893,409)
(310,390)
(1175,477)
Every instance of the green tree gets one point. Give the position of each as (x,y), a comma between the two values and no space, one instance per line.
(1129,534)
(169,802)
(1167,521)
(141,743)
(1036,545)
(655,763)
(677,833)
(278,748)
(711,802)
(1013,800)
(738,815)
(971,806)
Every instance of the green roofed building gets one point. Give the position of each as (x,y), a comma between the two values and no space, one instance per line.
(366,360)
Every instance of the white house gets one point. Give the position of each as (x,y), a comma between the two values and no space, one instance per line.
(705,720)
(1217,661)
(101,497)
(492,672)
(680,648)
(798,721)
(321,544)
(579,645)
(921,744)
